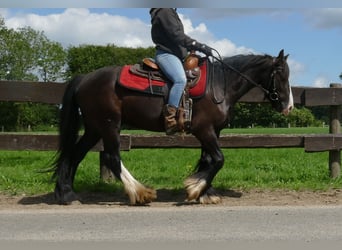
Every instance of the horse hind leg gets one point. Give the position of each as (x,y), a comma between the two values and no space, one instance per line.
(65,174)
(137,192)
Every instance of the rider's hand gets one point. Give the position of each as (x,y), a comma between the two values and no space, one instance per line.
(206,50)
(201,47)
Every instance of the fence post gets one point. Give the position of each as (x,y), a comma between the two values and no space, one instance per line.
(335,128)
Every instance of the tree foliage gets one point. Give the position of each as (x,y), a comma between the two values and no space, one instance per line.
(247,115)
(86,58)
(27,54)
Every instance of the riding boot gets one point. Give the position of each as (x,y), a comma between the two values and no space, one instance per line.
(170,113)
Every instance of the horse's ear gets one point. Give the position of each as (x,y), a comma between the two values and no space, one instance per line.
(281,55)
(281,58)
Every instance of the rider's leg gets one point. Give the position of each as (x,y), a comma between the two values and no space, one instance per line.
(173,69)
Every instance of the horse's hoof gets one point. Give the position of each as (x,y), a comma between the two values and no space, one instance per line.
(194,186)
(142,195)
(210,197)
(67,198)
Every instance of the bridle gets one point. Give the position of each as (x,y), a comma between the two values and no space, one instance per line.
(271,92)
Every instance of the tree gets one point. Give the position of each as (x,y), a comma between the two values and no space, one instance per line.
(263,115)
(321,113)
(341,76)
(4,34)
(301,117)
(86,58)
(27,54)
(51,61)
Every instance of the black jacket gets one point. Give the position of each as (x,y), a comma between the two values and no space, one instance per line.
(168,32)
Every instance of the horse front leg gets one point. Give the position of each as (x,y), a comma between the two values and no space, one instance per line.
(198,185)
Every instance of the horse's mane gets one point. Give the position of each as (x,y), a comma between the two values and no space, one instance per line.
(242,62)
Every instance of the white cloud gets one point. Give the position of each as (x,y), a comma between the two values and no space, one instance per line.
(79,26)
(3,12)
(218,13)
(227,48)
(325,18)
(296,66)
(224,46)
(296,69)
(321,82)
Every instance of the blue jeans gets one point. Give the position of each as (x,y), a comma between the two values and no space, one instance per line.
(172,68)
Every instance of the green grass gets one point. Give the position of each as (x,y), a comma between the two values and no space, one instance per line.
(244,169)
(19,172)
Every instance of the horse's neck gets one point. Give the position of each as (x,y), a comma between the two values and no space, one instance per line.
(241,87)
(234,85)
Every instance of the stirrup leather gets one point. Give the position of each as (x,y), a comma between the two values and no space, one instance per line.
(187,106)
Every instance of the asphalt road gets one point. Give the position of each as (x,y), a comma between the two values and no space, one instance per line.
(189,225)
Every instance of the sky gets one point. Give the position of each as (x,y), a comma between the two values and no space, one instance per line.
(312,36)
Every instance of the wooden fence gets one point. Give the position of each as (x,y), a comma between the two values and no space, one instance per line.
(51,93)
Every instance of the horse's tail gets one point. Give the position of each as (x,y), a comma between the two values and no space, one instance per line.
(69,126)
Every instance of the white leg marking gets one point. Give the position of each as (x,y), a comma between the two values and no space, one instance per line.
(210,197)
(130,183)
(194,185)
(194,188)
(136,191)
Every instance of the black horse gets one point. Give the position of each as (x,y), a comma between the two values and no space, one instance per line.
(104,106)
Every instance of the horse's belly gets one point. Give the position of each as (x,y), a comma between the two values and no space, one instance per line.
(143,113)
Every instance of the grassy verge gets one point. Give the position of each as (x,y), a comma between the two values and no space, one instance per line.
(291,169)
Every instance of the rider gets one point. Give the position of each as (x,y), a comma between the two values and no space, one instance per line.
(172,46)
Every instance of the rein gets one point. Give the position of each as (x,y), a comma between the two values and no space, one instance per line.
(272,95)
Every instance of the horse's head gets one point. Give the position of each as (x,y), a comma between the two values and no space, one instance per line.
(278,89)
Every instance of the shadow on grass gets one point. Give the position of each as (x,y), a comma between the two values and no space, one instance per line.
(117,197)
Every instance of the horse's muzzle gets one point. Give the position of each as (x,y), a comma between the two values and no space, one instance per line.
(287,110)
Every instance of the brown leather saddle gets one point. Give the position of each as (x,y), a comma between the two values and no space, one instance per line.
(149,69)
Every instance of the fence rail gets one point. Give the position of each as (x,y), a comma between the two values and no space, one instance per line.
(51,93)
(310,143)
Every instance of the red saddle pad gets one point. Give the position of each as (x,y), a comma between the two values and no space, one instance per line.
(142,84)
